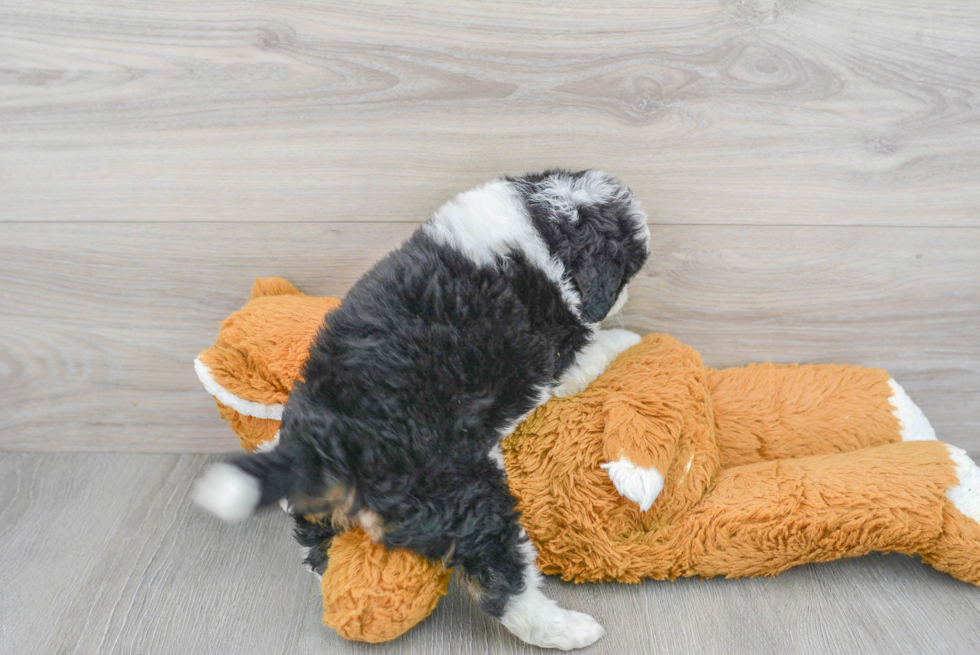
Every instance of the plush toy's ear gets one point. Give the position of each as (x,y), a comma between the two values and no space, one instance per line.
(259,353)
(374,594)
(273,286)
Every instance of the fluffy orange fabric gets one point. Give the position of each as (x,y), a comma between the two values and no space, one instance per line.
(252,432)
(765,467)
(261,348)
(394,589)
(770,411)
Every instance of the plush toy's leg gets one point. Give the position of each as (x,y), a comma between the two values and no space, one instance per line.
(957,551)
(767,412)
(912,423)
(915,498)
(314,538)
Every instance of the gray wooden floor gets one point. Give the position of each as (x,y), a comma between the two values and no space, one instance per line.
(104,553)
(811,172)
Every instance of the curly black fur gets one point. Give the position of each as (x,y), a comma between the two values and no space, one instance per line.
(416,375)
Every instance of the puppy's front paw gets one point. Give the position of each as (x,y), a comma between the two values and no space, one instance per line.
(641,485)
(606,345)
(616,340)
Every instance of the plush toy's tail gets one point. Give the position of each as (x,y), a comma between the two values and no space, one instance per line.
(235,489)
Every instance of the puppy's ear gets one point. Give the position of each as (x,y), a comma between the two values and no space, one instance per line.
(598,283)
(233,490)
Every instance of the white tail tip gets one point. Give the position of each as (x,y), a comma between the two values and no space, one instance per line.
(228,492)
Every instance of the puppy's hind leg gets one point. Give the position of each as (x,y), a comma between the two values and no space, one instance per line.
(538,620)
(314,538)
(500,573)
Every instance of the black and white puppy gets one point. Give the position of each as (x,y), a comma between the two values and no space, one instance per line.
(435,354)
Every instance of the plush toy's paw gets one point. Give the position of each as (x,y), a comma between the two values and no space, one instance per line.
(913,424)
(641,485)
(536,619)
(965,496)
(594,359)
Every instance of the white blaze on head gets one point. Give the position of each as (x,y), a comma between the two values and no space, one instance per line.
(491,221)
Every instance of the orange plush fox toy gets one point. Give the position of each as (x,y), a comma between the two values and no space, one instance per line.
(749,470)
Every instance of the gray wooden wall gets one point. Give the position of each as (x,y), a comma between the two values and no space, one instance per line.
(811,169)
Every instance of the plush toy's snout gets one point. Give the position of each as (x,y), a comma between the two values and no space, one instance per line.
(374,594)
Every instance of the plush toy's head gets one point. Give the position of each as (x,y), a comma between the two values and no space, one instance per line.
(259,353)
(374,594)
(370,593)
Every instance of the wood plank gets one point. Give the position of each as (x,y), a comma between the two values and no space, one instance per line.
(57,514)
(166,578)
(715,112)
(907,300)
(103,553)
(864,605)
(101,321)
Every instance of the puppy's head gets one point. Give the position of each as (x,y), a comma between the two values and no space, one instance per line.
(595,227)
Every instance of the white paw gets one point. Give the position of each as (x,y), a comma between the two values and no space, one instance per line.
(641,485)
(913,424)
(269,446)
(616,340)
(589,364)
(539,621)
(965,496)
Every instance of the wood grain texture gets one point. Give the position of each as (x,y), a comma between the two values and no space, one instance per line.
(104,554)
(102,321)
(715,111)
(810,169)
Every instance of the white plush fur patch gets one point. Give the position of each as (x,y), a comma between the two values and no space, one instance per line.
(489,222)
(538,620)
(913,424)
(965,496)
(268,446)
(228,492)
(225,397)
(589,364)
(641,485)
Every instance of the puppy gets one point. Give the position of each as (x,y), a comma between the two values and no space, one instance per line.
(437,353)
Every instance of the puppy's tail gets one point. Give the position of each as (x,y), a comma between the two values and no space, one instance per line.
(235,489)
